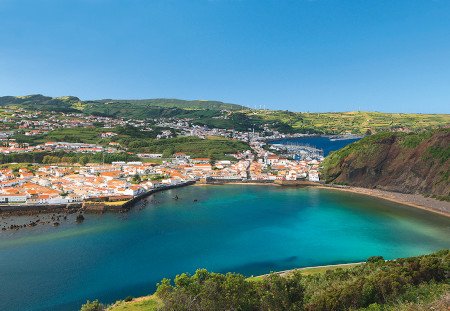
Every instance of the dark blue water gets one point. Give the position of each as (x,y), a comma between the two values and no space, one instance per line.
(247,229)
(319,142)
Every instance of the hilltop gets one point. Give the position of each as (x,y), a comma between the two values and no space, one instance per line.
(400,162)
(216,114)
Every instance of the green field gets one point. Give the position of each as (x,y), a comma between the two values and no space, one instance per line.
(230,116)
(359,122)
(214,148)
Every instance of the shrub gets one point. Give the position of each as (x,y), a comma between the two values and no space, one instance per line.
(92,306)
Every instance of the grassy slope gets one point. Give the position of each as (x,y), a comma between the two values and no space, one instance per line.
(146,303)
(354,122)
(209,113)
(196,147)
(173,103)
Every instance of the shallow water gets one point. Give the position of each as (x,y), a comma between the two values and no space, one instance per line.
(242,228)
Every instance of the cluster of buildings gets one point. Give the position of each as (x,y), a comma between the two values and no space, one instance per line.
(62,184)
(41,122)
(11,146)
(53,184)
(72,184)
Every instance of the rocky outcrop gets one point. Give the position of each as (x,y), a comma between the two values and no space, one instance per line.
(406,163)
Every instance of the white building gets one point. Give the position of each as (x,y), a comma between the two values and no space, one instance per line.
(313,176)
(12,198)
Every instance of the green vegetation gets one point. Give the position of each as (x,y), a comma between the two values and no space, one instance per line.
(442,154)
(236,120)
(90,135)
(364,149)
(425,297)
(415,283)
(148,303)
(403,162)
(42,103)
(92,306)
(171,103)
(230,116)
(63,157)
(358,122)
(16,166)
(412,140)
(215,148)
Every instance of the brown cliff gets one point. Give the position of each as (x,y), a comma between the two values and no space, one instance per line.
(407,163)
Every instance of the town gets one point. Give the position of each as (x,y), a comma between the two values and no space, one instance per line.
(61,184)
(66,182)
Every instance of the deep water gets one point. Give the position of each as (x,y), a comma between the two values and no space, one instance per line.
(247,229)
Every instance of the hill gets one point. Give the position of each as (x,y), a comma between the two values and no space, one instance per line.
(41,102)
(407,163)
(72,103)
(355,122)
(174,103)
(230,116)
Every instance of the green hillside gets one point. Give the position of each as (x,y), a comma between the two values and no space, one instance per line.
(356,122)
(407,163)
(41,102)
(231,116)
(173,103)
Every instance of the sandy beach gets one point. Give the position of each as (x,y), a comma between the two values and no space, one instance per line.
(415,200)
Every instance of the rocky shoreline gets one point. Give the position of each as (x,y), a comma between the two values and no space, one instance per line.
(29,219)
(48,215)
(28,216)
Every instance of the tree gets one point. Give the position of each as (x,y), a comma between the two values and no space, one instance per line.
(282,293)
(84,160)
(168,152)
(93,306)
(375,259)
(136,179)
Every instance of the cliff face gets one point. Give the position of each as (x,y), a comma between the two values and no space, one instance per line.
(407,163)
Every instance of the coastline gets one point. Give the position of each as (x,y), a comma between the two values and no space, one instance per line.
(310,270)
(414,200)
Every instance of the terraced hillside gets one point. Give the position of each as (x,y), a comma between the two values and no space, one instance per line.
(230,116)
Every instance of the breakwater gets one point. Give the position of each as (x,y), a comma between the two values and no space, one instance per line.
(106,206)
(29,209)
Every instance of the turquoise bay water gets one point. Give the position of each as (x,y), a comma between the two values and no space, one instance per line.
(247,229)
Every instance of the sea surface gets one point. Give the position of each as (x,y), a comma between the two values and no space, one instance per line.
(242,228)
(320,142)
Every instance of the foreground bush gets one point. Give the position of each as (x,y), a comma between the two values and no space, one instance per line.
(377,285)
(214,291)
(370,284)
(92,306)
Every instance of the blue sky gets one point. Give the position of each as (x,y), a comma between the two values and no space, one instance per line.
(300,55)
